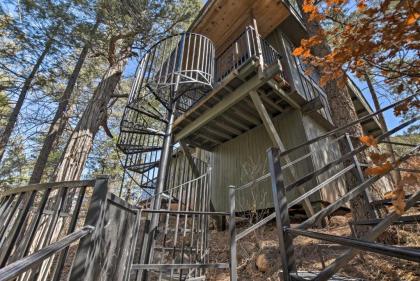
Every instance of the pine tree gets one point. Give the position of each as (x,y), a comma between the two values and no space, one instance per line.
(343,112)
(44,26)
(129,24)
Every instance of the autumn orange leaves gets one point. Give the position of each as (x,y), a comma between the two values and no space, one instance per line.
(381,165)
(365,36)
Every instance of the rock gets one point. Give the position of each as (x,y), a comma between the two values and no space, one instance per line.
(262,263)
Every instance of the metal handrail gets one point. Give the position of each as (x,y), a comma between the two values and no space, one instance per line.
(313,220)
(340,129)
(316,139)
(388,250)
(13,270)
(170,190)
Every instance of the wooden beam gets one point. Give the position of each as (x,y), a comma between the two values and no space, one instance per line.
(220,86)
(239,111)
(228,124)
(227,102)
(271,103)
(259,47)
(233,119)
(275,138)
(266,119)
(208,138)
(217,132)
(223,124)
(279,91)
(190,160)
(312,105)
(246,114)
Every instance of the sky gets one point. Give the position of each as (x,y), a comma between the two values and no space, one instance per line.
(391,120)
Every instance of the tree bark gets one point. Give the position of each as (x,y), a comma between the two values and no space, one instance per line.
(11,122)
(61,116)
(81,140)
(342,113)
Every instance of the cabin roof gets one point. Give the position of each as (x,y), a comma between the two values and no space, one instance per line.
(220,19)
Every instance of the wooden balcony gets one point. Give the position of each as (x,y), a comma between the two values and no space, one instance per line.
(227,111)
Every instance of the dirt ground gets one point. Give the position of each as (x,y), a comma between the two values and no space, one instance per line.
(312,255)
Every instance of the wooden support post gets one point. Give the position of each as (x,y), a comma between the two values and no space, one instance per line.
(275,138)
(282,214)
(232,234)
(259,46)
(85,265)
(190,159)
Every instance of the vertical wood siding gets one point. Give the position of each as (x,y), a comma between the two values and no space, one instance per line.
(327,153)
(244,158)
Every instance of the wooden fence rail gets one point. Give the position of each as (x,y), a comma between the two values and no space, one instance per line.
(39,222)
(16,268)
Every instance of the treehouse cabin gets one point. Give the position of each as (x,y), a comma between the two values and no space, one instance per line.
(229,89)
(204,108)
(260,97)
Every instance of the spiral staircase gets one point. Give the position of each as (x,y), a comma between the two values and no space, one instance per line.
(171,77)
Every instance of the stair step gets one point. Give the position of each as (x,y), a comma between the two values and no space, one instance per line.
(143,167)
(137,149)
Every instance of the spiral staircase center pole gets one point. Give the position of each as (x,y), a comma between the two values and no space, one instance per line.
(160,185)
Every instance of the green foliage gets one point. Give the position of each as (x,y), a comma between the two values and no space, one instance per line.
(15,167)
(24,29)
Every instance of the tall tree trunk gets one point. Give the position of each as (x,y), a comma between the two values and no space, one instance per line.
(81,140)
(343,112)
(61,115)
(11,122)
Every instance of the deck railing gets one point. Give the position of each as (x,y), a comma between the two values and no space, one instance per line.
(348,162)
(247,46)
(42,225)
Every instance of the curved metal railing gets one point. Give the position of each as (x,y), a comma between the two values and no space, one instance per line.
(177,70)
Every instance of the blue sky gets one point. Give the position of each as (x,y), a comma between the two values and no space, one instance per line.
(391,120)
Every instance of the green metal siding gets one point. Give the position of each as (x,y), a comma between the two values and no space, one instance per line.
(244,158)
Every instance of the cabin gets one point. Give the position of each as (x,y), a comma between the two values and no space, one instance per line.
(260,96)
(204,108)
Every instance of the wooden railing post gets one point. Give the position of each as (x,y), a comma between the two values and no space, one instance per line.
(232,235)
(282,215)
(259,46)
(86,264)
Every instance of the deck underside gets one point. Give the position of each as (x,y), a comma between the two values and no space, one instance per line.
(228,110)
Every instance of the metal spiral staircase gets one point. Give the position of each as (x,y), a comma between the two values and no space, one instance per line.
(172,76)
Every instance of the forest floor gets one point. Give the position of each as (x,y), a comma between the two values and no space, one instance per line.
(258,257)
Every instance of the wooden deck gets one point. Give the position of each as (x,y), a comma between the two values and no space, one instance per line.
(228,111)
